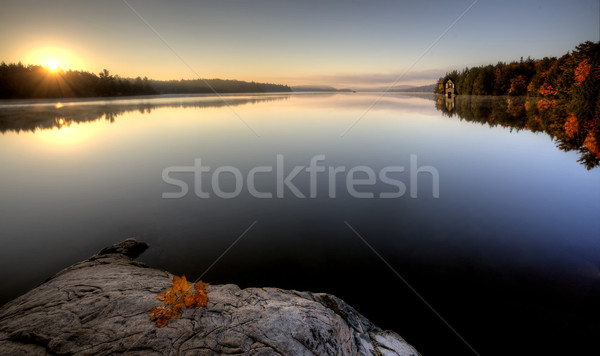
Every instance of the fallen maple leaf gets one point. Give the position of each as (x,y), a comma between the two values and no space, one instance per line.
(178,295)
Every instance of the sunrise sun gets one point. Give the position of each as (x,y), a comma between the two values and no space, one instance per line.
(52,65)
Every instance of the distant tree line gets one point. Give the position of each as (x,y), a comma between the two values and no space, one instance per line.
(18,81)
(219,85)
(563,94)
(34,81)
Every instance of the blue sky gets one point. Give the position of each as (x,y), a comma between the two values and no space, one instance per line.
(342,43)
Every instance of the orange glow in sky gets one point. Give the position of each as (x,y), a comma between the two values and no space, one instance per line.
(54,57)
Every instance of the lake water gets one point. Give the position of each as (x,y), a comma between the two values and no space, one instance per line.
(508,252)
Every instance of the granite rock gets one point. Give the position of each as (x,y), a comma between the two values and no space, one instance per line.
(100,307)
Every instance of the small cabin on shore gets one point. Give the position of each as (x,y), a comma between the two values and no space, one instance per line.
(450,89)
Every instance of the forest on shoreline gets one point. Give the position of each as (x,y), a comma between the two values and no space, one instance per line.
(18,81)
(563,94)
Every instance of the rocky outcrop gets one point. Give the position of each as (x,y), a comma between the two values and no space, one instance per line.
(100,307)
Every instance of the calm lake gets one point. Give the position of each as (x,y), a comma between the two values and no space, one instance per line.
(508,253)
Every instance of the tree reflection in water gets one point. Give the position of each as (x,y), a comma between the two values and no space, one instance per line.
(30,116)
(529,113)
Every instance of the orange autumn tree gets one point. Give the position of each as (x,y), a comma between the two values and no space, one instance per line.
(592,144)
(582,71)
(571,126)
(180,294)
(518,85)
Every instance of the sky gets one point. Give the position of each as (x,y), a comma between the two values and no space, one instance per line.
(340,43)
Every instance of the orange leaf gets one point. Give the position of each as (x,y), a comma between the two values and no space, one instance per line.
(201,300)
(162,322)
(157,312)
(181,285)
(189,301)
(201,286)
(173,313)
(177,297)
(180,303)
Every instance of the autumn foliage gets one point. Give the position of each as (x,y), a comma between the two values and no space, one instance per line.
(592,144)
(547,90)
(181,294)
(571,126)
(561,97)
(518,85)
(582,71)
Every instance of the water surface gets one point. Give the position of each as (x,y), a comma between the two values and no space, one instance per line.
(509,250)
